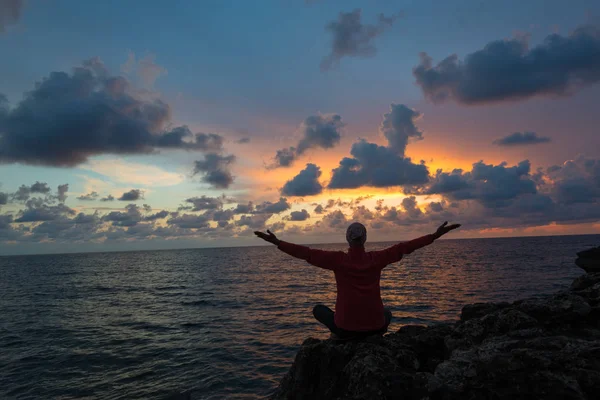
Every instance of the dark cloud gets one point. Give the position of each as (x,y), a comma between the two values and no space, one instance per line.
(511,70)
(335,219)
(40,187)
(222,215)
(283,158)
(268,207)
(491,185)
(306,183)
(182,138)
(38,210)
(383,166)
(62,192)
(88,197)
(132,195)
(302,215)
(253,221)
(318,131)
(10,12)
(159,215)
(352,38)
(110,197)
(190,221)
(378,166)
(243,140)
(3,198)
(575,182)
(24,191)
(215,170)
(398,126)
(205,203)
(520,139)
(67,118)
(319,209)
(131,217)
(244,208)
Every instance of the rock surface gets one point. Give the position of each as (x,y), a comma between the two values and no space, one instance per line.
(537,348)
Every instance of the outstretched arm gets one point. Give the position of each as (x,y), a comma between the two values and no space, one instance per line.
(395,253)
(319,258)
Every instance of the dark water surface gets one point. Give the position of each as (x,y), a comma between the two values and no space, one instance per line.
(225,323)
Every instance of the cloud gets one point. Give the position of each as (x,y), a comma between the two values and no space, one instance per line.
(132,195)
(10,12)
(510,70)
(88,197)
(521,139)
(253,221)
(244,208)
(215,170)
(3,198)
(110,197)
(383,166)
(268,207)
(38,210)
(62,192)
(352,38)
(318,131)
(575,182)
(491,185)
(377,166)
(299,215)
(159,215)
(40,187)
(125,172)
(243,140)
(398,126)
(130,217)
(319,209)
(145,68)
(24,192)
(306,183)
(67,118)
(205,203)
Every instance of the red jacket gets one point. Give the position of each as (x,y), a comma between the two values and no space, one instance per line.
(358,306)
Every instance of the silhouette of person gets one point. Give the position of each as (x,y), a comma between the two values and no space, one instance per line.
(359,310)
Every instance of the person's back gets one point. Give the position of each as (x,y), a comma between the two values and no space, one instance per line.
(359,307)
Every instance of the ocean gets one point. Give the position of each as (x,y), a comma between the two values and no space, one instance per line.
(226,323)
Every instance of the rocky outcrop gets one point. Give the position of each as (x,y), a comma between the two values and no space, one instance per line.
(537,348)
(589,260)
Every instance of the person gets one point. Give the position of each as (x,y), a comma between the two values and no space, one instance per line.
(359,310)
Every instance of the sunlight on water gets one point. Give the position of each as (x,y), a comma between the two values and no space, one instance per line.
(225,322)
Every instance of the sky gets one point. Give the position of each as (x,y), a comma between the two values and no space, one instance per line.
(156,125)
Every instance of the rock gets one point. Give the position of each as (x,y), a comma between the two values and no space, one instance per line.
(589,260)
(547,347)
(478,310)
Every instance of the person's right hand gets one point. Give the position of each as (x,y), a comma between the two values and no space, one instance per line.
(445,228)
(269,237)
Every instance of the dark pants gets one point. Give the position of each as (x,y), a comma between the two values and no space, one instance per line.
(324,315)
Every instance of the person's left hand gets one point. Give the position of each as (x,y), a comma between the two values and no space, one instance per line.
(445,228)
(269,237)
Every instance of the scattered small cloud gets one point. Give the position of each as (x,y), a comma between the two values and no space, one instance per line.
(132,195)
(215,170)
(352,38)
(521,139)
(88,197)
(318,131)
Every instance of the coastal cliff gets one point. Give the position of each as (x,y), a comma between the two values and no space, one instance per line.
(536,348)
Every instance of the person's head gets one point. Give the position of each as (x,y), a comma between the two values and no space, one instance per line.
(356,234)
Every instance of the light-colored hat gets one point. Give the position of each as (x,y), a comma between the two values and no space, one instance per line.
(356,234)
